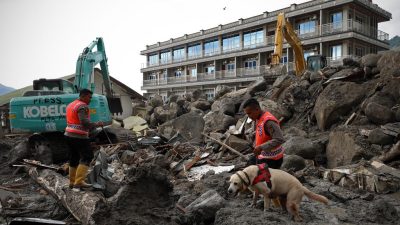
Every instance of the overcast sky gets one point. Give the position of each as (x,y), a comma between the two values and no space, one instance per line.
(43,38)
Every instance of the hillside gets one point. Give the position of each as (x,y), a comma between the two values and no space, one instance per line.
(394,42)
(5,89)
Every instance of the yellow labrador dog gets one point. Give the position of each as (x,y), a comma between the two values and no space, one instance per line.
(282,184)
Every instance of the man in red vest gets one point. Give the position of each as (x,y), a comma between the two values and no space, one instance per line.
(268,136)
(77,136)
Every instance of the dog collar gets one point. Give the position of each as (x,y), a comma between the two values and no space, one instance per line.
(241,178)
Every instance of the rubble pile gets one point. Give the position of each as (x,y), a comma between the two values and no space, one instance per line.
(341,127)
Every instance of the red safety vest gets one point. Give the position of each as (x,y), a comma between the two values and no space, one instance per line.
(262,137)
(73,123)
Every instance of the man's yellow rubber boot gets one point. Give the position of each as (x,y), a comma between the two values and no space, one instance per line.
(81,173)
(72,175)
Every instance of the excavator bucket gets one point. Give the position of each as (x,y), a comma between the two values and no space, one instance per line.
(114,104)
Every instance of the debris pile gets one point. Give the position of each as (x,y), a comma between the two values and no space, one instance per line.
(341,127)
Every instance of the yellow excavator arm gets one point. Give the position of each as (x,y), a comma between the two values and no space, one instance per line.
(285,29)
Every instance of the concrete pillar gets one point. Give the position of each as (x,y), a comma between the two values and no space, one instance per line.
(265,31)
(220,44)
(345,16)
(186,53)
(321,50)
(320,21)
(241,39)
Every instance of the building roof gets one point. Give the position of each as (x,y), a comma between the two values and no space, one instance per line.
(5,99)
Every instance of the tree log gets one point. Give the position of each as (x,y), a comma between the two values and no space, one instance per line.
(81,204)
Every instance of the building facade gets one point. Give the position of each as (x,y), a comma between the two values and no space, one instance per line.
(238,53)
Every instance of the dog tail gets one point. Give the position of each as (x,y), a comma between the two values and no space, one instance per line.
(316,197)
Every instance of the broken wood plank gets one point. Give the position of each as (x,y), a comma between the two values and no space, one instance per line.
(181,208)
(350,119)
(391,154)
(228,147)
(189,165)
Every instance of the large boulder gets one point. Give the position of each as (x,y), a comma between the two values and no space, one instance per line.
(302,147)
(337,100)
(173,98)
(342,148)
(165,113)
(370,60)
(293,162)
(257,86)
(238,143)
(237,97)
(189,125)
(389,63)
(156,101)
(276,109)
(221,90)
(206,205)
(224,106)
(215,122)
(379,114)
(377,136)
(196,94)
(381,98)
(201,104)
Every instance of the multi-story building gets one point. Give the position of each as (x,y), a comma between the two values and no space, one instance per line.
(238,53)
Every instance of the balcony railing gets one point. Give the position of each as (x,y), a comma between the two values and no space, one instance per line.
(217,75)
(317,31)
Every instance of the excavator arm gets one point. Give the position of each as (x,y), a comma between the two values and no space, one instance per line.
(85,64)
(285,30)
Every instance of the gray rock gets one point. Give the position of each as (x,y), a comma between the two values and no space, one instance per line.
(398,115)
(381,98)
(379,114)
(221,90)
(350,62)
(342,149)
(189,125)
(196,94)
(180,101)
(173,98)
(301,146)
(217,122)
(207,205)
(304,84)
(128,157)
(314,77)
(257,86)
(224,106)
(329,71)
(337,100)
(376,136)
(238,143)
(389,62)
(293,131)
(201,104)
(370,60)
(293,162)
(156,101)
(280,81)
(276,109)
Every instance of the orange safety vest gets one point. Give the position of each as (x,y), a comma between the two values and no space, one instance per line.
(262,137)
(73,123)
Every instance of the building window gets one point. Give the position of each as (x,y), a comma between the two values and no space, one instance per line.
(250,64)
(230,67)
(193,72)
(165,57)
(307,27)
(336,52)
(210,70)
(211,48)
(178,74)
(163,75)
(231,43)
(360,51)
(152,76)
(337,20)
(253,39)
(194,51)
(209,94)
(153,59)
(179,54)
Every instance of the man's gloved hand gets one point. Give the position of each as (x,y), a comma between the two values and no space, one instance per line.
(257,150)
